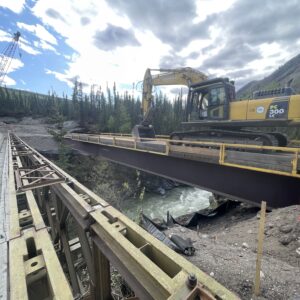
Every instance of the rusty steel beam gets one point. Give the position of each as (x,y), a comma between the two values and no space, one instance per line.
(234,183)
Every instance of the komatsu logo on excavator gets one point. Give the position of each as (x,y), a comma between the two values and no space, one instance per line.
(260,109)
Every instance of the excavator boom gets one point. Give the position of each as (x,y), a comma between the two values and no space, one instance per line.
(180,76)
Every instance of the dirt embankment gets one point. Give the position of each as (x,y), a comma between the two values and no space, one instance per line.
(32,131)
(111,181)
(226,249)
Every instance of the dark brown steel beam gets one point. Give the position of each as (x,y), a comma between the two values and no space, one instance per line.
(235,183)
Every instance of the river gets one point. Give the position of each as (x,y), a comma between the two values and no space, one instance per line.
(178,201)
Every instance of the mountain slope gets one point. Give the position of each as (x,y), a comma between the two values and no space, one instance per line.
(280,78)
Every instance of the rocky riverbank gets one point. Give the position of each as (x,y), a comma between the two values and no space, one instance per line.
(226,248)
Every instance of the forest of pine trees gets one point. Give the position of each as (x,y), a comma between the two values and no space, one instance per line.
(99,111)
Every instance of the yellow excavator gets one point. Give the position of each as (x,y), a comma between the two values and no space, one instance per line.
(213,113)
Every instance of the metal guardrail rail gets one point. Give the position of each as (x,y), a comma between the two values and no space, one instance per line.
(276,160)
(104,236)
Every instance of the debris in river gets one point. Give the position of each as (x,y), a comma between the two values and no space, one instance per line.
(175,242)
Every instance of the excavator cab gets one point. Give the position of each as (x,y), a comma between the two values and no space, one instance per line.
(209,100)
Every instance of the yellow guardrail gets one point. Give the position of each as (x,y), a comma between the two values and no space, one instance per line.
(224,149)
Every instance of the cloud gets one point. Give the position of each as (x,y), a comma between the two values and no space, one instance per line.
(113,37)
(85,20)
(172,61)
(233,55)
(170,21)
(39,31)
(250,31)
(52,13)
(26,46)
(257,22)
(193,55)
(239,39)
(15,65)
(240,73)
(177,91)
(8,81)
(44,45)
(60,76)
(5,37)
(14,5)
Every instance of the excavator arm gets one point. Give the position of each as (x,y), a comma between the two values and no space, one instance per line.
(180,76)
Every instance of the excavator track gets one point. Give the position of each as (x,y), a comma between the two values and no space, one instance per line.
(232,137)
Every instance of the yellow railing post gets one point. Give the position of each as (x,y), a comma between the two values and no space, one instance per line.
(295,163)
(167,147)
(222,154)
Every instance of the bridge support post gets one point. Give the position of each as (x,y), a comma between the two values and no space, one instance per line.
(71,269)
(102,288)
(50,217)
(87,253)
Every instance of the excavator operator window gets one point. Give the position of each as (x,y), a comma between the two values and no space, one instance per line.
(217,96)
(208,103)
(195,106)
(212,102)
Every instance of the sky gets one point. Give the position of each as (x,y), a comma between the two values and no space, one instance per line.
(101,42)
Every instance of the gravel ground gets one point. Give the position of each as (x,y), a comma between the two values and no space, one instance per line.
(35,132)
(226,249)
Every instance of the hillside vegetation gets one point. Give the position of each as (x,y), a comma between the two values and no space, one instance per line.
(289,72)
(104,111)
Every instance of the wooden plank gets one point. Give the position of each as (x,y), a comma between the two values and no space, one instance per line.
(260,247)
(86,251)
(71,269)
(155,146)
(196,153)
(102,287)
